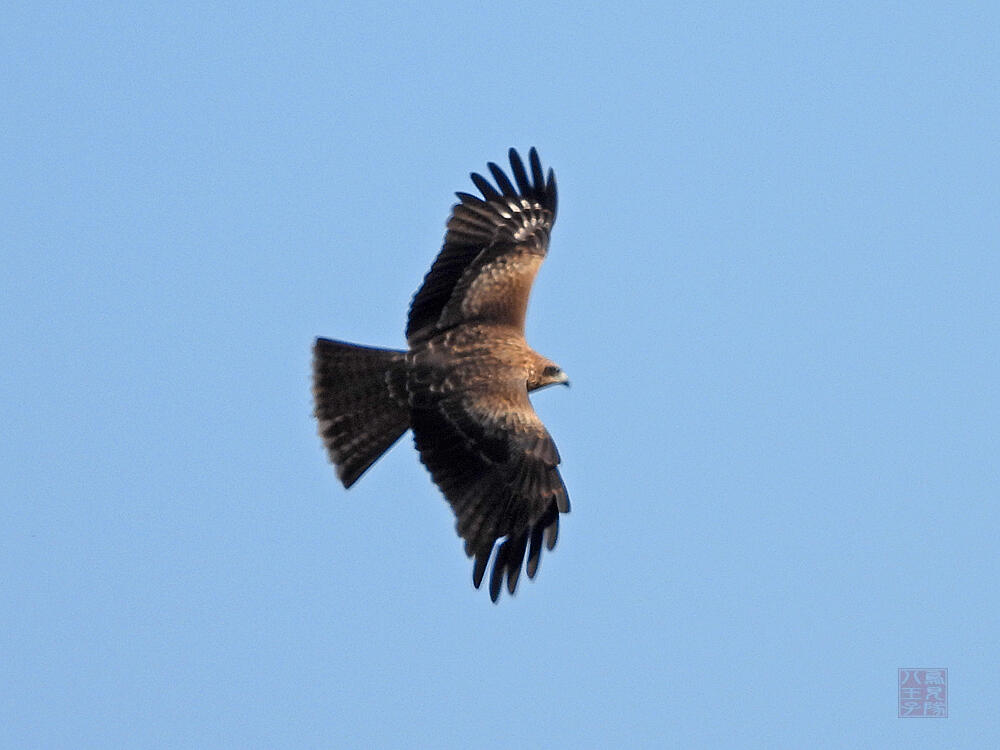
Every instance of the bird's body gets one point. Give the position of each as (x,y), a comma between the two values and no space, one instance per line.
(478,352)
(462,386)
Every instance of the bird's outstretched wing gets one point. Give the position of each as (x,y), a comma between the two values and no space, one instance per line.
(492,250)
(495,462)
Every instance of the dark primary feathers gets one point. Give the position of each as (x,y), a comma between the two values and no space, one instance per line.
(463,384)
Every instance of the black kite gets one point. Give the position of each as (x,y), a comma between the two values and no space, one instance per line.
(462,386)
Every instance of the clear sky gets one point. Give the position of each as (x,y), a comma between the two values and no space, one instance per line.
(773,282)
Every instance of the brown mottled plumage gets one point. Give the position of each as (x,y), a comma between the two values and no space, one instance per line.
(462,386)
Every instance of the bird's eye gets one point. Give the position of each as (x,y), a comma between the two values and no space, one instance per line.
(551,371)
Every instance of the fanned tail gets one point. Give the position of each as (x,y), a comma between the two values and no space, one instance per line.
(359,419)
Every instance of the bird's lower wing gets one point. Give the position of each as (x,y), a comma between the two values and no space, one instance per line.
(497,465)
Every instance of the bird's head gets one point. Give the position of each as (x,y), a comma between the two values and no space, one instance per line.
(547,373)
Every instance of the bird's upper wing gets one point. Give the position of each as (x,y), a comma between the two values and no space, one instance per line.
(495,462)
(492,250)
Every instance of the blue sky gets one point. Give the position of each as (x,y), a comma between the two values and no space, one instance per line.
(773,282)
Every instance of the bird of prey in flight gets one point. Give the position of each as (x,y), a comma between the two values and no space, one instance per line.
(462,384)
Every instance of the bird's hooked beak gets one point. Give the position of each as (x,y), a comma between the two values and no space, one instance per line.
(563,379)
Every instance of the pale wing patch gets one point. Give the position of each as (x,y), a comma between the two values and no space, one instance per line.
(498,292)
(526,218)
